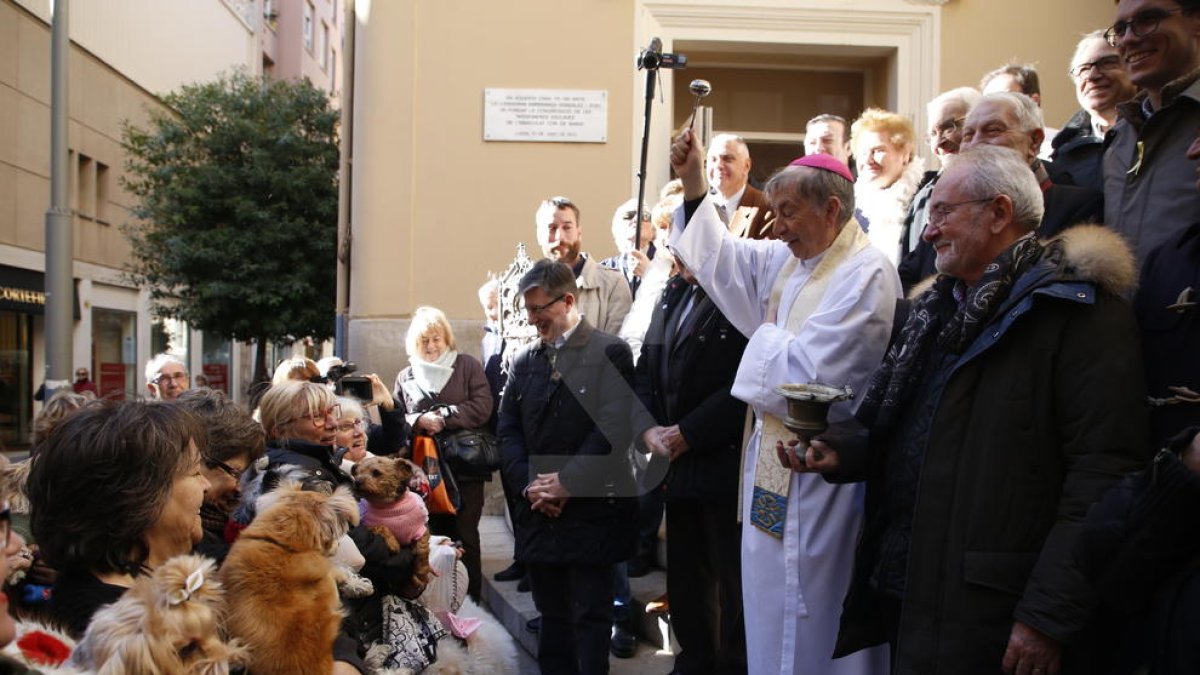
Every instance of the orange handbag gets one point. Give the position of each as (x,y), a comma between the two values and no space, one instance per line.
(443,490)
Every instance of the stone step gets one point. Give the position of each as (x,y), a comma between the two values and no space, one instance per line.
(515,609)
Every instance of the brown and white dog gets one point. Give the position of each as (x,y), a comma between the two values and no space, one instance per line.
(281,581)
(167,622)
(392,511)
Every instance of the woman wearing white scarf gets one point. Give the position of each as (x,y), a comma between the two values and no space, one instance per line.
(445,390)
(888,176)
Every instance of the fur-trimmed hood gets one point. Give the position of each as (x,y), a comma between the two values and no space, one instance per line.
(1091,253)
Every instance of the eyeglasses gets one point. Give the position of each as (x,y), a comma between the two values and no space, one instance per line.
(938,213)
(179,377)
(318,419)
(1104,65)
(628,215)
(356,425)
(213,463)
(1142,24)
(947,127)
(538,309)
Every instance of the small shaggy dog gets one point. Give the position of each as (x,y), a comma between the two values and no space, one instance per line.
(282,584)
(168,622)
(393,511)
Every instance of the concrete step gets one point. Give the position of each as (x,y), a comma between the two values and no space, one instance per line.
(654,655)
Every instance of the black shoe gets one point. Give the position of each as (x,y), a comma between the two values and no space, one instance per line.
(523,585)
(534,625)
(513,572)
(623,644)
(639,567)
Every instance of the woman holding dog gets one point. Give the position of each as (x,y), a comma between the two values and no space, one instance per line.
(444,390)
(115,490)
(301,423)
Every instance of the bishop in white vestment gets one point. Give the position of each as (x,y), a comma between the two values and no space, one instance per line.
(817,306)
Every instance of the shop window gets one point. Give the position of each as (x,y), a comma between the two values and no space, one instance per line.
(16,378)
(216,362)
(114,352)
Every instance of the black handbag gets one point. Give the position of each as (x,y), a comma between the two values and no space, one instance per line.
(470,452)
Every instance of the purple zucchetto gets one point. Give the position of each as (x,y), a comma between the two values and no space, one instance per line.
(825,163)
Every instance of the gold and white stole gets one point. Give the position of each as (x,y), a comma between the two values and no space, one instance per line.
(768,506)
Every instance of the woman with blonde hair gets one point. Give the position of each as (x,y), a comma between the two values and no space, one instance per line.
(445,391)
(889,173)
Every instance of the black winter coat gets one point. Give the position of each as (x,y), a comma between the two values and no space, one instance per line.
(695,396)
(1078,156)
(1170,321)
(575,423)
(1037,419)
(1141,547)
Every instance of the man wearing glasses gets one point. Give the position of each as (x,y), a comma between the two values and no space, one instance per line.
(166,377)
(1101,82)
(563,428)
(1148,179)
(946,113)
(995,420)
(603,294)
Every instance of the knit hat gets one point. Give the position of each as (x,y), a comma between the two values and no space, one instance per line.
(405,518)
(825,163)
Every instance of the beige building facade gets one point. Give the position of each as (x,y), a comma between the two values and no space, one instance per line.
(435,205)
(123,54)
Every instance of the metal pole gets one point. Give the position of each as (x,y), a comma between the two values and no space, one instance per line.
(59,221)
(345,182)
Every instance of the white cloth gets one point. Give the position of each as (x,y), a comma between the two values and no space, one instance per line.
(792,589)
(885,208)
(431,376)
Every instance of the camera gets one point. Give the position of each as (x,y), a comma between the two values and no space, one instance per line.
(354,386)
(345,384)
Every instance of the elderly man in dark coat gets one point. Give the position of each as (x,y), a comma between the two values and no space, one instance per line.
(563,427)
(997,417)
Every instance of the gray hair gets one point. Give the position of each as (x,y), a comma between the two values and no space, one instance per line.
(811,184)
(156,364)
(1082,44)
(990,170)
(1029,115)
(965,96)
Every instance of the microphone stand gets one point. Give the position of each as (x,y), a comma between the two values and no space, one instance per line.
(651,75)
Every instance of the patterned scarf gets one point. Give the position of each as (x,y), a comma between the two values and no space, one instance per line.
(939,315)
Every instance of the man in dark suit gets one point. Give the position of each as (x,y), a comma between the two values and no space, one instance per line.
(743,207)
(563,427)
(691,420)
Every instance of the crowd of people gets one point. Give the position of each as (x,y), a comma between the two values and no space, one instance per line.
(1014,486)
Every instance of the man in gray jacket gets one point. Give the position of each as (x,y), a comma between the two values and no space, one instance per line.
(1148,180)
(604,296)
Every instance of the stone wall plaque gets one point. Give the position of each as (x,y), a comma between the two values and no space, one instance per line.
(545,115)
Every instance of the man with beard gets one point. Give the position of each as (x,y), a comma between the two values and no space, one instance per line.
(603,295)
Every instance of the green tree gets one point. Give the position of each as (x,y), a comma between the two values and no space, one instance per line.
(236,192)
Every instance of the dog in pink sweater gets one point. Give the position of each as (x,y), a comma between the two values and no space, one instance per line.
(393,511)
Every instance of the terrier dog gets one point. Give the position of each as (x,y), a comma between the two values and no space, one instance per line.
(168,622)
(391,510)
(281,581)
